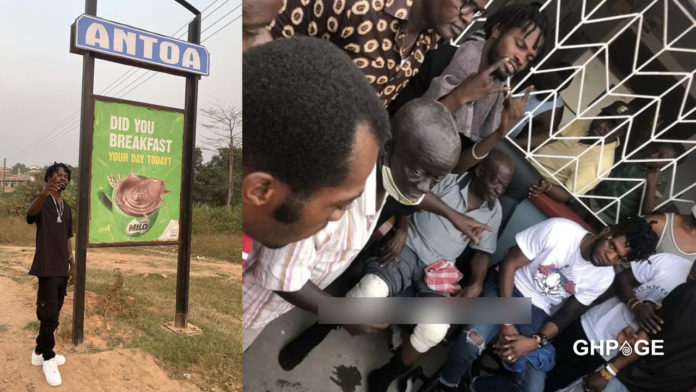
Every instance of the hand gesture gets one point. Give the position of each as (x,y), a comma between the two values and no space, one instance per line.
(506,331)
(646,317)
(628,334)
(516,347)
(52,186)
(513,110)
(360,329)
(71,276)
(653,176)
(536,189)
(470,291)
(477,86)
(392,247)
(471,228)
(594,382)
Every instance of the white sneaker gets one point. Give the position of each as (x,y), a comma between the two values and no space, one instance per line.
(50,369)
(37,359)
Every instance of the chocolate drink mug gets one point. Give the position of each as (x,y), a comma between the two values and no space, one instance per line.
(135,202)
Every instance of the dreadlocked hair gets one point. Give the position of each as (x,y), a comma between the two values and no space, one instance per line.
(640,237)
(524,16)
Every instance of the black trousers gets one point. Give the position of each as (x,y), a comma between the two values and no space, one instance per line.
(570,366)
(49,301)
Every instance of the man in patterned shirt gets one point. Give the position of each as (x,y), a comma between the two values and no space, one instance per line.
(387,39)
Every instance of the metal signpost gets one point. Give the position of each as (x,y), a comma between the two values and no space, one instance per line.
(138,146)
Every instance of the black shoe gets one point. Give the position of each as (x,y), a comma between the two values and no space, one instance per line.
(405,383)
(379,379)
(295,352)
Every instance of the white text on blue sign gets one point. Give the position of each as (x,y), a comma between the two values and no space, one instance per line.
(103,36)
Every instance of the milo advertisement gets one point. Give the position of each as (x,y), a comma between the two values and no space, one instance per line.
(136,173)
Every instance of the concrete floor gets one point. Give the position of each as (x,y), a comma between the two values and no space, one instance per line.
(340,364)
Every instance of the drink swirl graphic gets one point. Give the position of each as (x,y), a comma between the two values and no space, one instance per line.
(139,196)
(626,349)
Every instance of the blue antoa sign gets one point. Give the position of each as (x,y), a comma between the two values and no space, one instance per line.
(138,46)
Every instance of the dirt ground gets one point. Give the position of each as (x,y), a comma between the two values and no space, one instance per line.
(87,367)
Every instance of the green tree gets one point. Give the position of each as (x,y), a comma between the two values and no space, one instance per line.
(19,166)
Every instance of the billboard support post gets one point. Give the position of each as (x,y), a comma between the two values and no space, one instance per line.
(186,207)
(86,134)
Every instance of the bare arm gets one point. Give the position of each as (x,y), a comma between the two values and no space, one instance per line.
(308,298)
(511,114)
(541,125)
(513,261)
(554,191)
(644,312)
(35,206)
(482,148)
(598,380)
(469,227)
(71,264)
(569,312)
(650,200)
(624,283)
(479,267)
(392,247)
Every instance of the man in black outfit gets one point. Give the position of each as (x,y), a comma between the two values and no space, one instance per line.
(53,265)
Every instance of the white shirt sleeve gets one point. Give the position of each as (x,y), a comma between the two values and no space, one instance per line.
(644,270)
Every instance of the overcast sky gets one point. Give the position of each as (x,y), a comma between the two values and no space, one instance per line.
(41,81)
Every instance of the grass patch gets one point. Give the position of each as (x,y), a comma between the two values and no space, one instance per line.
(3,328)
(222,246)
(32,326)
(215,355)
(21,234)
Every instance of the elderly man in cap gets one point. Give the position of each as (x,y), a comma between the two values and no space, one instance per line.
(578,165)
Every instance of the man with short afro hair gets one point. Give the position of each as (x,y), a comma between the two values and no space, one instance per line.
(313,128)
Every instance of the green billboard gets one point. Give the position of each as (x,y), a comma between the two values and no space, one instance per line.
(136,173)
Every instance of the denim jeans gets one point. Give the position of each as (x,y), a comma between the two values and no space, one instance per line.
(464,351)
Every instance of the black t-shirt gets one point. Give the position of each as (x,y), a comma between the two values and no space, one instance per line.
(51,256)
(676,369)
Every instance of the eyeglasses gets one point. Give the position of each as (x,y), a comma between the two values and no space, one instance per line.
(471,7)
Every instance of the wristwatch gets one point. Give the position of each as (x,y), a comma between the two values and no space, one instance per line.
(542,340)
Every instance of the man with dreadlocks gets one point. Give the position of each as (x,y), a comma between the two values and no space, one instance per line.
(563,269)
(473,86)
(53,265)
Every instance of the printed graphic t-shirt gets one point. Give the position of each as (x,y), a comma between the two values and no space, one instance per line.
(557,270)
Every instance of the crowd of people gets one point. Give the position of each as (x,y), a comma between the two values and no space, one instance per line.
(325,165)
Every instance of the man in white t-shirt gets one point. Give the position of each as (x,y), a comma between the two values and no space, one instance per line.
(640,290)
(563,268)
